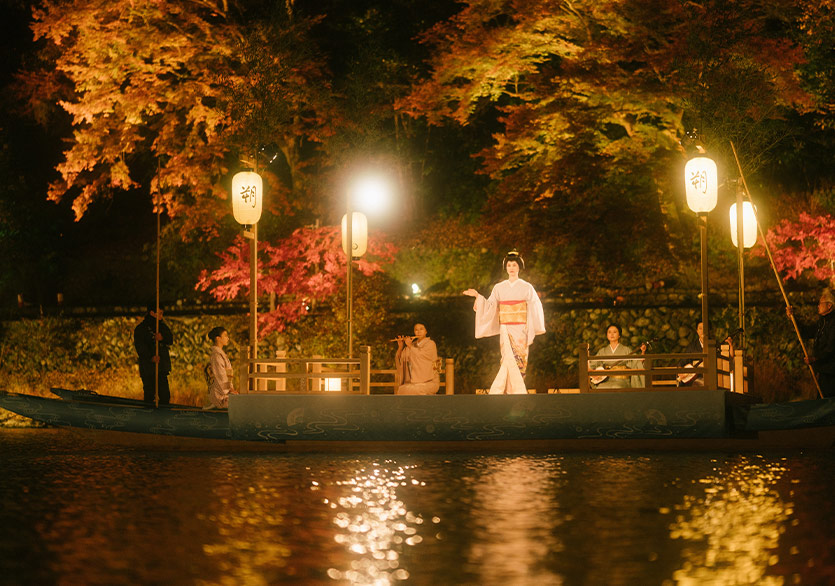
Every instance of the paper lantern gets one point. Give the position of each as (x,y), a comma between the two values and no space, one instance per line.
(247,193)
(749,225)
(333,384)
(701,184)
(359,234)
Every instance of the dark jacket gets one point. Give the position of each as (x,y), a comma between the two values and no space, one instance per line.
(824,347)
(143,341)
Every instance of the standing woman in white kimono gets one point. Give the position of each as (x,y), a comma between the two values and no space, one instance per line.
(514,313)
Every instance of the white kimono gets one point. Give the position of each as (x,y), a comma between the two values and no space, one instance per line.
(514,313)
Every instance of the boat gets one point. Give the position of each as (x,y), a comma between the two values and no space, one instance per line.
(658,420)
(94,397)
(89,410)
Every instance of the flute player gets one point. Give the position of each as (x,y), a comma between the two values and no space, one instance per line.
(416,364)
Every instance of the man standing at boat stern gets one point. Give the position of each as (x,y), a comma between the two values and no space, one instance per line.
(145,337)
(823,349)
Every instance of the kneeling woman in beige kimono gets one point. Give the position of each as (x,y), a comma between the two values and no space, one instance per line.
(219,370)
(514,313)
(416,364)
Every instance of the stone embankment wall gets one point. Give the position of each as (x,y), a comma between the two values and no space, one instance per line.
(32,347)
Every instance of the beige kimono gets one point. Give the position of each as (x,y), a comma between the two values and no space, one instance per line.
(219,377)
(416,371)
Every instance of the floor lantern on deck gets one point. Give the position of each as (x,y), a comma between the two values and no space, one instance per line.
(247,200)
(701,186)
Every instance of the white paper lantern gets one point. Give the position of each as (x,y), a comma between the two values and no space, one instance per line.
(247,193)
(749,225)
(701,184)
(333,384)
(359,234)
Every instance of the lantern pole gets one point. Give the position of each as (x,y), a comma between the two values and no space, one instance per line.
(349,225)
(247,188)
(740,247)
(701,190)
(777,276)
(253,292)
(703,237)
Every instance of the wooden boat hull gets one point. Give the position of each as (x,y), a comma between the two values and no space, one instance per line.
(681,420)
(467,418)
(188,422)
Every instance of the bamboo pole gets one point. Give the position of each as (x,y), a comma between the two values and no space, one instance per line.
(789,311)
(156,326)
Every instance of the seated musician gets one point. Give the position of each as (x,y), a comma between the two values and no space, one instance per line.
(696,345)
(416,364)
(615,348)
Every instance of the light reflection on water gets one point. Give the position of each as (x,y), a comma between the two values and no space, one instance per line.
(736,521)
(79,510)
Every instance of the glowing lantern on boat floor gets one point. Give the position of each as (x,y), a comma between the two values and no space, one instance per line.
(333,384)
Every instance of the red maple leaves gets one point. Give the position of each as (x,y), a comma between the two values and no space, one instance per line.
(805,244)
(302,270)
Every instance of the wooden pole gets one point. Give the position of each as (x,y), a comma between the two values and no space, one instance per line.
(703,234)
(776,273)
(156,322)
(253,293)
(349,220)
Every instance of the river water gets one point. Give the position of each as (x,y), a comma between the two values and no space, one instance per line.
(79,509)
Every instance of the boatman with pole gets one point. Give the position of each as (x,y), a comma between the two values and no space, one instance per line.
(151,338)
(822,359)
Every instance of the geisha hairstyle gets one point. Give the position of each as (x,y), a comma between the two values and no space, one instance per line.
(514,256)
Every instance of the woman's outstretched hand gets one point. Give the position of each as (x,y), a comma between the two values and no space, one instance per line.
(470,293)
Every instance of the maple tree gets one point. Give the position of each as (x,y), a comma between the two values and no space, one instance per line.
(163,96)
(804,246)
(592,97)
(303,270)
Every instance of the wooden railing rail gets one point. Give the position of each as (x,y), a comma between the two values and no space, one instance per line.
(314,375)
(447,376)
(655,376)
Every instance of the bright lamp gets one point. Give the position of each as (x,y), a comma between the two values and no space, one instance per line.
(701,184)
(247,193)
(749,225)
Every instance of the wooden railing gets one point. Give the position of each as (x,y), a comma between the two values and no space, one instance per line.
(307,375)
(325,375)
(384,379)
(659,370)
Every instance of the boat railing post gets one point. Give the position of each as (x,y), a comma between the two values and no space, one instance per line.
(314,383)
(365,370)
(243,387)
(449,377)
(711,381)
(281,370)
(583,356)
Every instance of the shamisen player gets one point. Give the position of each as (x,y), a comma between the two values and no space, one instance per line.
(514,313)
